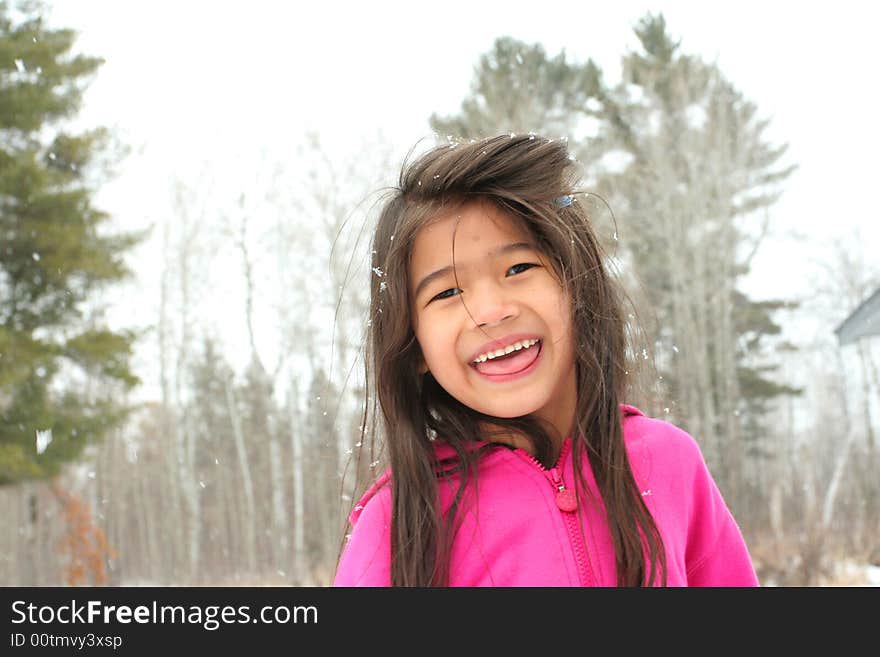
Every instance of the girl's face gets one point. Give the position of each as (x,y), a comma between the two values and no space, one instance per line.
(506,298)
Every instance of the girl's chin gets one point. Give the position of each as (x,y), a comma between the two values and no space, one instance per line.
(506,412)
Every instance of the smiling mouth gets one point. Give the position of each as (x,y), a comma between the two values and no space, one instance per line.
(511,363)
(506,351)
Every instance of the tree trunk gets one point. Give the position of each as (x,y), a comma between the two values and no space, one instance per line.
(172,518)
(250,540)
(299,547)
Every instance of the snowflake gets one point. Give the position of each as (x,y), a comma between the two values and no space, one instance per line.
(44,437)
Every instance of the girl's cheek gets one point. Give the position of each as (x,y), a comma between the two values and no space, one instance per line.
(563,309)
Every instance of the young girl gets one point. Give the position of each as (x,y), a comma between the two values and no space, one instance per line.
(497,355)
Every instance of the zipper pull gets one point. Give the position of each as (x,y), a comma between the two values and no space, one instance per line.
(565,498)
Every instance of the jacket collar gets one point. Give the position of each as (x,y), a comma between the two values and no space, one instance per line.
(444,451)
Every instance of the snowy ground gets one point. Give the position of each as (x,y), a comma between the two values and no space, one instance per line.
(856,574)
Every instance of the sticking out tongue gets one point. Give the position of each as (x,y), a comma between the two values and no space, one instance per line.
(511,363)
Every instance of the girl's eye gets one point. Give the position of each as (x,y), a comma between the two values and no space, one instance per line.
(443,294)
(527,265)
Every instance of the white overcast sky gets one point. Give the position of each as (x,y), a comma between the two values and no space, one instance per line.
(185,82)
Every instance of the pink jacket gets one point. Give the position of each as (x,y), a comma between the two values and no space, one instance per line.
(523,530)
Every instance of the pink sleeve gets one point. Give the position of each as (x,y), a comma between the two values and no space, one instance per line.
(716,551)
(366,559)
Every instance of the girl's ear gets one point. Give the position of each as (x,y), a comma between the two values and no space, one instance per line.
(422,366)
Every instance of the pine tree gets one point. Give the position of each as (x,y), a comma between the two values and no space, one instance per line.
(518,88)
(694,183)
(53,258)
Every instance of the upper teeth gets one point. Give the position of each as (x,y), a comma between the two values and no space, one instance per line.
(516,346)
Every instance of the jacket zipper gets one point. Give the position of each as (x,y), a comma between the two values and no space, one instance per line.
(566,501)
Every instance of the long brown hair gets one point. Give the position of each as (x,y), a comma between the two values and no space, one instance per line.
(525,176)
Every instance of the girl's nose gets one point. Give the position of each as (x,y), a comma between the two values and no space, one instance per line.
(491,306)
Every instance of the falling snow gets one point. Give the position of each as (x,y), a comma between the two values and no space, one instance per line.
(44,437)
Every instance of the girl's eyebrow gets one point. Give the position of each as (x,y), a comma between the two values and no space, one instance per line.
(494,253)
